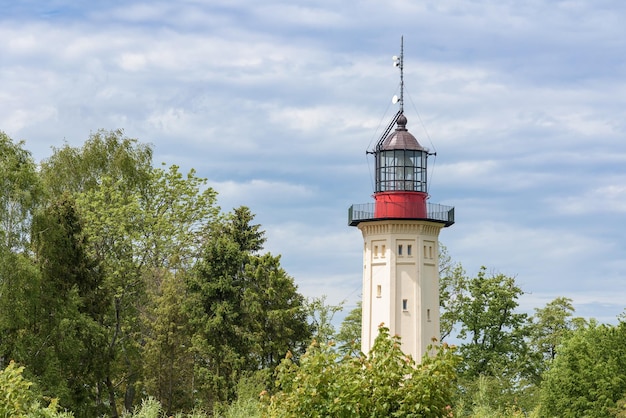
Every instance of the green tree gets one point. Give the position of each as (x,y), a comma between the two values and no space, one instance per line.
(386,382)
(104,154)
(494,332)
(551,325)
(167,356)
(20,191)
(588,375)
(452,292)
(320,316)
(244,309)
(65,345)
(349,335)
(141,223)
(494,348)
(275,310)
(107,177)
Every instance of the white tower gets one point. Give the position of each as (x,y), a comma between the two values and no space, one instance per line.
(400,232)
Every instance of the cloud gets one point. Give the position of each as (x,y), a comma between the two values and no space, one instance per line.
(600,200)
(258,192)
(276,103)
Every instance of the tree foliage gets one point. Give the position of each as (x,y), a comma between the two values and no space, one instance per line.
(550,327)
(20,191)
(124,288)
(385,383)
(19,399)
(493,329)
(349,335)
(497,357)
(588,375)
(101,303)
(244,309)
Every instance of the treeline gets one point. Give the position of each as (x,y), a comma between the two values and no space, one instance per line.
(548,364)
(120,280)
(124,289)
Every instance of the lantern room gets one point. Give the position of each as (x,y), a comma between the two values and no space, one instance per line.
(401,189)
(401,162)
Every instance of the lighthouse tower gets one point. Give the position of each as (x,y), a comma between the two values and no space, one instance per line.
(400,233)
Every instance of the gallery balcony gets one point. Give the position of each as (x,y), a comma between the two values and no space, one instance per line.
(376,211)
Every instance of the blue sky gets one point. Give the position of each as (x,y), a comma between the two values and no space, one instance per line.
(276,102)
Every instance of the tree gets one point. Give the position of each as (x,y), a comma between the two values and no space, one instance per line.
(67,336)
(107,177)
(495,352)
(20,191)
(321,316)
(452,290)
(550,326)
(494,331)
(276,312)
(104,154)
(20,194)
(140,221)
(244,309)
(587,375)
(386,382)
(349,336)
(167,356)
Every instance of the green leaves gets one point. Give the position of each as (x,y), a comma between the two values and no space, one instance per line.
(384,383)
(18,399)
(587,376)
(245,310)
(20,191)
(491,328)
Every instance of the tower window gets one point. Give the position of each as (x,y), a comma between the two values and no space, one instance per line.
(428,315)
(428,251)
(400,249)
(375,251)
(408,249)
(379,291)
(405,305)
(383,250)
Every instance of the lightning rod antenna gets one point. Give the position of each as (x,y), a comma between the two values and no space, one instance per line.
(401,65)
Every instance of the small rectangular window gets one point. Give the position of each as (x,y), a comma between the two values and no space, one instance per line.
(382,252)
(400,249)
(428,315)
(409,247)
(375,251)
(379,291)
(405,304)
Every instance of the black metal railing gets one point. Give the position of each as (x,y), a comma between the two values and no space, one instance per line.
(434,212)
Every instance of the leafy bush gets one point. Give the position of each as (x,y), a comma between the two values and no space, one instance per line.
(18,399)
(385,383)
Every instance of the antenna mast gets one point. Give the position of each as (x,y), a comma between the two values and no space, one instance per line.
(397,62)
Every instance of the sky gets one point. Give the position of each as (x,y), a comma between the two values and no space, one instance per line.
(276,102)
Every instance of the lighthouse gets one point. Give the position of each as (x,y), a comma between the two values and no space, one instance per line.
(400,240)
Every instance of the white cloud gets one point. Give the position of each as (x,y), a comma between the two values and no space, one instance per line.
(259,192)
(599,200)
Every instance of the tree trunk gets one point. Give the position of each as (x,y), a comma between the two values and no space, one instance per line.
(111,390)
